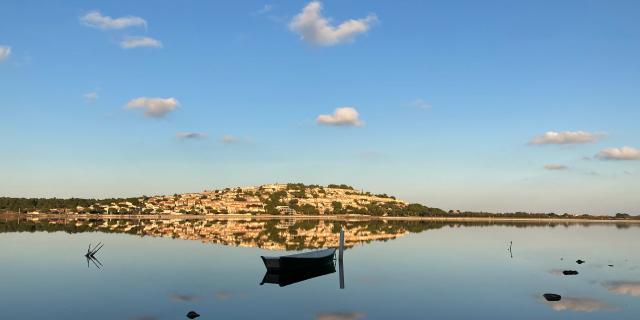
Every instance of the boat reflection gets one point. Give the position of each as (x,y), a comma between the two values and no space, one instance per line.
(286,277)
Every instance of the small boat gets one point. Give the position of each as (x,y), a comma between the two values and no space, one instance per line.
(299,260)
(286,277)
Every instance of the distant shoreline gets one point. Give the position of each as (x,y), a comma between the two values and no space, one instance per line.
(314,217)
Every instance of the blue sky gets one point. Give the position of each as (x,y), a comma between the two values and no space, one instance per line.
(492,105)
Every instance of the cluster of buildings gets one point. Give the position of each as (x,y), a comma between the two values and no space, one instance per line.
(277,199)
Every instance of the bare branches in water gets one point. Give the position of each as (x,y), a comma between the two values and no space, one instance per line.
(90,255)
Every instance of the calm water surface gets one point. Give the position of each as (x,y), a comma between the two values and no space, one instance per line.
(392,270)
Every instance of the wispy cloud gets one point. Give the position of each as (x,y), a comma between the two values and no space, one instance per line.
(190,135)
(421,104)
(228,139)
(5,52)
(95,19)
(566,137)
(345,116)
(316,29)
(154,107)
(91,96)
(340,316)
(624,153)
(265,9)
(371,154)
(138,42)
(555,166)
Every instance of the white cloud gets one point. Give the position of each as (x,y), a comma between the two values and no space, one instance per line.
(154,107)
(91,96)
(190,135)
(316,29)
(95,19)
(5,51)
(265,9)
(555,166)
(421,104)
(345,116)
(621,287)
(624,153)
(229,139)
(137,42)
(567,137)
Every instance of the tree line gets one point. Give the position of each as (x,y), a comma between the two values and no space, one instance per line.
(46,204)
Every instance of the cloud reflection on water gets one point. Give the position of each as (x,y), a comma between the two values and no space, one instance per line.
(631,288)
(340,316)
(145,318)
(556,272)
(579,304)
(223,295)
(183,297)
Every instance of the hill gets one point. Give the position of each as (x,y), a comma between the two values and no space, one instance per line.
(269,199)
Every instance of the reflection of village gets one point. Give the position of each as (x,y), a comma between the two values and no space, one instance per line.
(274,234)
(266,234)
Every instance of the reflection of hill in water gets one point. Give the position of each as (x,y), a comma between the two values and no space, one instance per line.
(267,234)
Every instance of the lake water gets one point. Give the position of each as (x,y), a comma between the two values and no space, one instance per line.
(161,269)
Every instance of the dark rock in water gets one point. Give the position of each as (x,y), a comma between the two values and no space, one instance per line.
(192,315)
(610,265)
(552,297)
(580,261)
(569,272)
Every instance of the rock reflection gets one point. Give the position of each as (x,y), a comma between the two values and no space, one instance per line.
(340,316)
(631,288)
(579,304)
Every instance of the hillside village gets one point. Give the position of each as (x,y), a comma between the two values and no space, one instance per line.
(269,199)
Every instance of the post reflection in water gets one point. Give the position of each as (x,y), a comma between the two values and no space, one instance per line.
(341,268)
(341,258)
